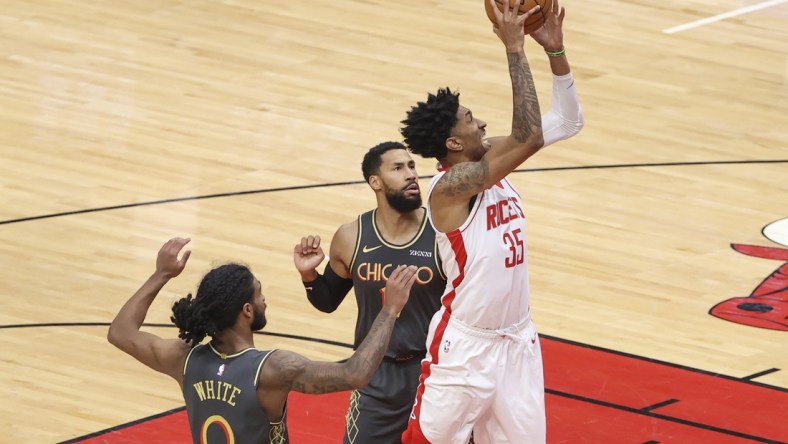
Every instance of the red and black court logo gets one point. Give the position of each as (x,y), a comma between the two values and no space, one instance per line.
(767,305)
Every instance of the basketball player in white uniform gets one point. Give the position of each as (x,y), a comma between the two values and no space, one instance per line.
(483,369)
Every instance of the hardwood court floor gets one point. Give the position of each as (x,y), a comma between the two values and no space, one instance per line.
(242,124)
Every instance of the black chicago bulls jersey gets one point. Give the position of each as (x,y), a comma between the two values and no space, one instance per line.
(221,398)
(373,262)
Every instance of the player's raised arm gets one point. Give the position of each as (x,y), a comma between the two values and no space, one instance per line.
(163,355)
(286,371)
(326,291)
(565,117)
(508,152)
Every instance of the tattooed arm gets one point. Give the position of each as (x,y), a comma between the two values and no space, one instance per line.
(285,371)
(508,152)
(163,355)
(449,199)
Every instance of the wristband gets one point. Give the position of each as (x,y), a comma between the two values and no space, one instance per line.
(558,53)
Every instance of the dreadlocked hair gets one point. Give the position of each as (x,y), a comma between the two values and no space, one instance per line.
(220,297)
(429,124)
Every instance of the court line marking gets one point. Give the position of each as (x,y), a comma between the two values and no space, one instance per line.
(723,16)
(746,380)
(659,405)
(686,422)
(358,182)
(759,374)
(123,426)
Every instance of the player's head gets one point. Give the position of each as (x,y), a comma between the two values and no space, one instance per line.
(428,124)
(228,294)
(389,169)
(441,126)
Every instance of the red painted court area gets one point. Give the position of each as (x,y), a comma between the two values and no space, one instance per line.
(593,396)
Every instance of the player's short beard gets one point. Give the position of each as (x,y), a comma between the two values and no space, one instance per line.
(259,321)
(401,202)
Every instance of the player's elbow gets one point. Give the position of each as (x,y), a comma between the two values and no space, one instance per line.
(574,127)
(534,143)
(112,336)
(116,337)
(538,140)
(359,373)
(328,308)
(324,306)
(569,127)
(357,381)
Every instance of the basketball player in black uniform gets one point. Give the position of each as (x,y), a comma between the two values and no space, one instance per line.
(363,255)
(234,392)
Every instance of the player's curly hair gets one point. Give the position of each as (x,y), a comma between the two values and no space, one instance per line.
(220,297)
(429,124)
(372,160)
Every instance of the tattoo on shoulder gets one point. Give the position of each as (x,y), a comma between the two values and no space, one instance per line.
(465,178)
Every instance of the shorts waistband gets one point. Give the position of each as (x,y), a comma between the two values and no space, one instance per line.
(491,333)
(405,357)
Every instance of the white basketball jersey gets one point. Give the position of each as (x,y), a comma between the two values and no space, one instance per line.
(485,260)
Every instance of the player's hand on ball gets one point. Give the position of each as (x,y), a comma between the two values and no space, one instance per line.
(551,35)
(509,26)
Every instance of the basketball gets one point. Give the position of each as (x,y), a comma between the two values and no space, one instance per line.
(533,22)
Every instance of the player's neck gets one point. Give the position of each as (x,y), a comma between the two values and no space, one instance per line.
(398,227)
(453,158)
(443,164)
(233,340)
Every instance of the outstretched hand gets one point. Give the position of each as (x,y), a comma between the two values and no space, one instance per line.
(551,35)
(167,262)
(509,26)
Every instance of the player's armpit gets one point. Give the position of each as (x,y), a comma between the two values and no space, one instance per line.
(163,355)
